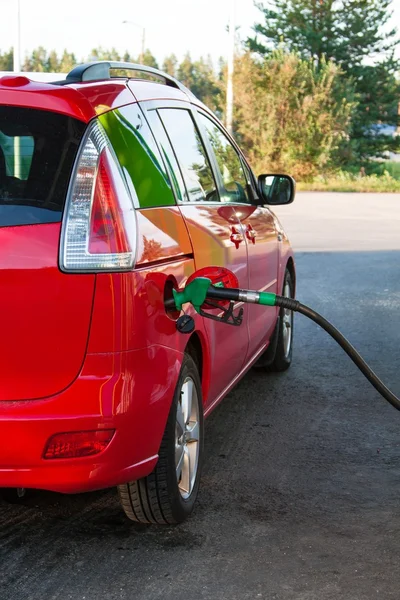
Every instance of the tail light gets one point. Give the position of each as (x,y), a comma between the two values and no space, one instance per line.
(77,444)
(99,225)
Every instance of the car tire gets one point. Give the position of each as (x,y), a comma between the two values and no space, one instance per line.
(284,348)
(168,494)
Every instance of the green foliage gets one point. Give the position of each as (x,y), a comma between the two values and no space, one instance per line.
(375,167)
(67,62)
(170,65)
(289,115)
(348,32)
(199,76)
(149,60)
(378,94)
(6,60)
(37,62)
(42,61)
(104,54)
(347,182)
(345,30)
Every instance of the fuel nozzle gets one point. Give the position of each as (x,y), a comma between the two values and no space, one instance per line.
(201,289)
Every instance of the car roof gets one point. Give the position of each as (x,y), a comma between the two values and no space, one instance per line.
(90,89)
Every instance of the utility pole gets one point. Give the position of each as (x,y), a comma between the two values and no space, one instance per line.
(143,45)
(17,42)
(17,68)
(231,58)
(141,57)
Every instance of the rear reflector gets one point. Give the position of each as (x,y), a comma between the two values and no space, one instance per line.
(99,224)
(77,444)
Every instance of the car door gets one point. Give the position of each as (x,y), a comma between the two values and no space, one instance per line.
(257,223)
(215,230)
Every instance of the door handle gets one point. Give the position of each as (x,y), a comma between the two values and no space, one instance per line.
(236,237)
(251,234)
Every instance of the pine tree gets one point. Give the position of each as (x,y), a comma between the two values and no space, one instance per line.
(53,64)
(37,62)
(149,60)
(6,60)
(170,65)
(200,78)
(353,34)
(67,62)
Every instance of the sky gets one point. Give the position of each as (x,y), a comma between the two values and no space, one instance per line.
(171,26)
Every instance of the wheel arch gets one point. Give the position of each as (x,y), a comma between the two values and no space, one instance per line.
(197,348)
(291,268)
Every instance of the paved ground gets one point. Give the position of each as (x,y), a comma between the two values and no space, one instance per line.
(300,496)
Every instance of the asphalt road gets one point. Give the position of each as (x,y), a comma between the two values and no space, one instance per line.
(300,495)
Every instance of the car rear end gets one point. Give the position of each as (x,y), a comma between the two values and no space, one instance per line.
(68,239)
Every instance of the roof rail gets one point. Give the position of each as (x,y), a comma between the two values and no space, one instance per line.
(100,70)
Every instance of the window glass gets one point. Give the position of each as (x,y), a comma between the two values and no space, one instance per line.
(18,151)
(37,152)
(138,155)
(189,151)
(229,163)
(168,155)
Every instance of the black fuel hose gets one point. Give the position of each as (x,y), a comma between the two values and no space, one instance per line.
(268,299)
(296,306)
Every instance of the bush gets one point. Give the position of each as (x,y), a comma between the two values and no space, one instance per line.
(290,116)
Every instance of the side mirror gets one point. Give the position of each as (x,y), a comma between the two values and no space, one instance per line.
(276,189)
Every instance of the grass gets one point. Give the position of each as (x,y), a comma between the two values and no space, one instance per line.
(349,182)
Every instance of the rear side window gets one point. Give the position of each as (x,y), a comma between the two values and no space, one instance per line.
(138,155)
(37,152)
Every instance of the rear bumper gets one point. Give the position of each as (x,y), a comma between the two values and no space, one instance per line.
(130,392)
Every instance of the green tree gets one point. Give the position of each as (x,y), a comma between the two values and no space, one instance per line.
(289,115)
(104,54)
(52,63)
(37,62)
(6,60)
(199,76)
(354,34)
(128,57)
(170,65)
(67,62)
(149,60)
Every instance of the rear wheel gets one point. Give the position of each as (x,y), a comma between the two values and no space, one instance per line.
(168,494)
(278,356)
(284,348)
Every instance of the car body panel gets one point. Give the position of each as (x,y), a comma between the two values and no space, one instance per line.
(45,314)
(263,256)
(134,302)
(82,102)
(211,230)
(110,392)
(151,90)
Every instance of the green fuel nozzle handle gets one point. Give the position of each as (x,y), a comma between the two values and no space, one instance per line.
(194,292)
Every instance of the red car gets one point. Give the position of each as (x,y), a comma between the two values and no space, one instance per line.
(113,191)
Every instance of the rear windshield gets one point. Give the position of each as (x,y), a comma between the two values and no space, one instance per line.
(37,152)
